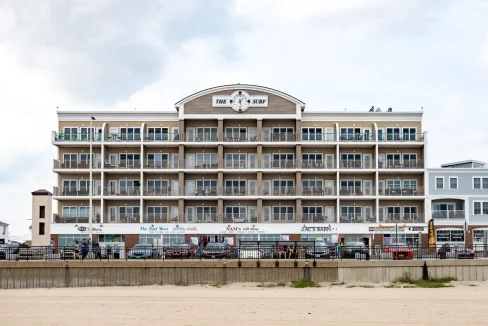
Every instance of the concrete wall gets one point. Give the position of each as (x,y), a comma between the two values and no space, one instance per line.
(16,275)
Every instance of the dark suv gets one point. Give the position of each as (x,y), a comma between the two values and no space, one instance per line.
(351,250)
(215,250)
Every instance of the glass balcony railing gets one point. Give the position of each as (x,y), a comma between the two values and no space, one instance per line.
(356,191)
(280,191)
(240,164)
(448,214)
(316,165)
(239,191)
(202,218)
(401,137)
(75,191)
(75,165)
(128,218)
(279,137)
(122,191)
(159,218)
(317,137)
(357,218)
(123,164)
(401,191)
(317,191)
(75,137)
(402,218)
(283,217)
(239,218)
(356,164)
(357,137)
(317,218)
(75,218)
(162,137)
(240,137)
(401,164)
(158,191)
(124,137)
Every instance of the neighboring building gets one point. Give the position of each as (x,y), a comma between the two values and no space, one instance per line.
(3,233)
(241,162)
(459,202)
(42,212)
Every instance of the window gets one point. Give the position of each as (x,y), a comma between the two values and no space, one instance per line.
(311,134)
(408,239)
(235,186)
(410,184)
(129,133)
(316,237)
(111,238)
(312,211)
(206,185)
(42,211)
(258,237)
(206,160)
(236,213)
(158,133)
(41,228)
(480,208)
(84,211)
(353,186)
(350,134)
(157,160)
(312,183)
(439,183)
(453,182)
(283,213)
(478,236)
(350,211)
(393,134)
(69,239)
(157,185)
(351,157)
(312,158)
(480,183)
(393,184)
(450,235)
(207,134)
(235,134)
(409,134)
(69,211)
(235,160)
(206,214)
(283,186)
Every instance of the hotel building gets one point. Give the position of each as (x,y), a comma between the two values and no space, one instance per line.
(459,198)
(240,162)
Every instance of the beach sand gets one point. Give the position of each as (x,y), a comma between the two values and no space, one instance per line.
(246,304)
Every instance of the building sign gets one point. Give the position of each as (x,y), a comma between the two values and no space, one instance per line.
(387,228)
(416,228)
(86,229)
(431,233)
(319,229)
(240,101)
(231,229)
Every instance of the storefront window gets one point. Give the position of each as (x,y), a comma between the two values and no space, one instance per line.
(69,239)
(258,237)
(478,236)
(408,239)
(166,239)
(316,237)
(450,235)
(111,238)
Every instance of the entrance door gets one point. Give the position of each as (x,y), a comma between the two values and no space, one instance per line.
(174,214)
(190,214)
(368,188)
(112,187)
(266,214)
(112,214)
(381,213)
(190,188)
(190,161)
(266,134)
(329,214)
(367,161)
(175,189)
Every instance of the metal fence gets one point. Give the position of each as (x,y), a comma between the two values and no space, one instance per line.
(257,250)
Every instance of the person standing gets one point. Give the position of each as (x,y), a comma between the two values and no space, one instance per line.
(52,244)
(76,253)
(84,249)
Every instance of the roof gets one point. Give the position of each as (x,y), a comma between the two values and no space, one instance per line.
(463,162)
(239,86)
(41,192)
(3,223)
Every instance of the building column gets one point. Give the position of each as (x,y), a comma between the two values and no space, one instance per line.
(298,156)
(260,210)
(181,157)
(181,211)
(220,210)
(260,183)
(298,129)
(181,183)
(220,129)
(259,157)
(220,183)
(259,129)
(181,130)
(298,210)
(220,156)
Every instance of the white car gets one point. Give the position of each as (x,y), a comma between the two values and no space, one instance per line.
(250,253)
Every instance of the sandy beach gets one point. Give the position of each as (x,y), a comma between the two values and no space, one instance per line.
(246,304)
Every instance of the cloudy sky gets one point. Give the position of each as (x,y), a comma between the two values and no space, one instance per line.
(125,54)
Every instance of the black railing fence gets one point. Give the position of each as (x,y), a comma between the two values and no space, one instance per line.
(245,250)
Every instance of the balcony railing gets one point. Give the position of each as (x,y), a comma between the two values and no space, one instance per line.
(448,214)
(402,218)
(75,219)
(280,191)
(123,164)
(158,191)
(356,191)
(311,137)
(401,191)
(316,165)
(279,164)
(240,137)
(122,191)
(400,137)
(158,164)
(317,218)
(356,164)
(317,191)
(240,164)
(202,218)
(239,218)
(357,137)
(75,137)
(73,164)
(357,218)
(128,218)
(398,164)
(238,191)
(164,137)
(207,191)
(123,137)
(72,191)
(279,137)
(284,218)
(159,218)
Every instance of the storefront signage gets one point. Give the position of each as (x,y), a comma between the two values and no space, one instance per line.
(86,229)
(431,233)
(327,228)
(387,228)
(240,101)
(416,228)
(242,230)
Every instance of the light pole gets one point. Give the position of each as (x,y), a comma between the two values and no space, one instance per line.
(90,133)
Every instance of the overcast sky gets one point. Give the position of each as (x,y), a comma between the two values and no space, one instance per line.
(122,54)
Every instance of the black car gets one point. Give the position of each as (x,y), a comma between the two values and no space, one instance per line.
(353,250)
(320,250)
(216,251)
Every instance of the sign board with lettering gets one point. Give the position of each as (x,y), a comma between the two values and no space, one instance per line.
(240,101)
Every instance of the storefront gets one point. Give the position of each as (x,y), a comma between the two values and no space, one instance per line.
(450,235)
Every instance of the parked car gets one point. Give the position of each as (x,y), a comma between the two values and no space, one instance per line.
(215,250)
(320,250)
(251,252)
(13,251)
(354,249)
(398,251)
(143,251)
(455,251)
(179,250)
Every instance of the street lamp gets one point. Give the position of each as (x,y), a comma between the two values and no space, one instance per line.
(91,180)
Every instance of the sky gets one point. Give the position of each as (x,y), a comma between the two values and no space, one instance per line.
(126,54)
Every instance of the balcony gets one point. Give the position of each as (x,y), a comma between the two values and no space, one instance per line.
(159,218)
(133,137)
(317,191)
(122,191)
(405,191)
(405,164)
(283,218)
(74,192)
(158,164)
(280,164)
(317,218)
(75,219)
(75,137)
(398,137)
(403,218)
(158,191)
(240,164)
(316,165)
(357,137)
(75,165)
(239,218)
(208,191)
(128,218)
(448,214)
(239,191)
(163,137)
(123,164)
(279,137)
(356,191)
(356,218)
(356,164)
(202,218)
(318,138)
(240,137)
(280,191)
